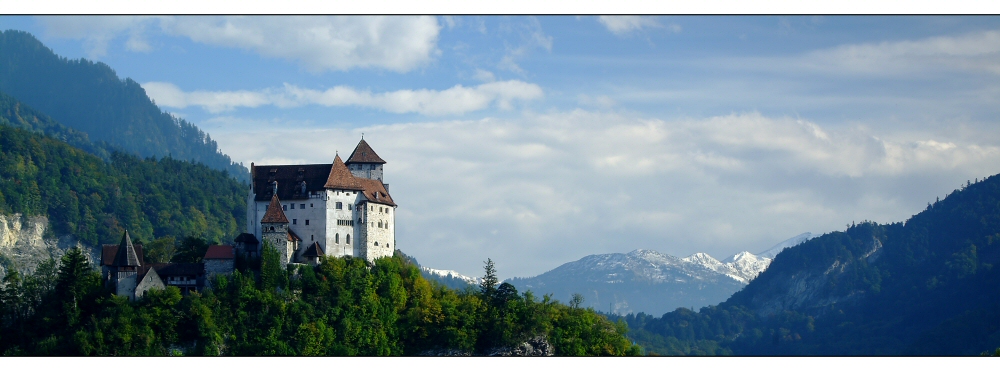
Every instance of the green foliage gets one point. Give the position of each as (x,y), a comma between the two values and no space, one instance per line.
(341,307)
(94,200)
(90,98)
(161,250)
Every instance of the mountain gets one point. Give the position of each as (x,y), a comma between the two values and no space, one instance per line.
(93,199)
(90,97)
(450,278)
(647,281)
(794,241)
(926,286)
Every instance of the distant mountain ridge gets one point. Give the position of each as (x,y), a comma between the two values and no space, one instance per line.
(91,98)
(652,282)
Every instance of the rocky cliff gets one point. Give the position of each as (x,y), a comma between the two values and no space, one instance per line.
(23,244)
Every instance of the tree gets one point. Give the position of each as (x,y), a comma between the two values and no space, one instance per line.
(75,280)
(576,300)
(488,287)
(161,250)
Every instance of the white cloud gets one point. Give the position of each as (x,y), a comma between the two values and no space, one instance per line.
(543,189)
(976,51)
(97,32)
(455,100)
(625,24)
(398,44)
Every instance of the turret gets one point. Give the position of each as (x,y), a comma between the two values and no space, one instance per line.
(365,163)
(274,229)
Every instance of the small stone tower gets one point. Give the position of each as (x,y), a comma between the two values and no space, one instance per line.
(364,163)
(124,269)
(274,230)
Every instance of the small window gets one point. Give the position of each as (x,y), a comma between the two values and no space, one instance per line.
(340,205)
(293,206)
(376,243)
(310,205)
(348,239)
(380,224)
(307,221)
(284,207)
(336,238)
(302,206)
(311,237)
(348,206)
(294,221)
(372,208)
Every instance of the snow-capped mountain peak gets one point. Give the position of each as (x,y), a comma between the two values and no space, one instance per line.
(453,274)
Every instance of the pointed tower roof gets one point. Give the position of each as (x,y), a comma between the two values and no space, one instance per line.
(126,256)
(340,177)
(274,213)
(364,153)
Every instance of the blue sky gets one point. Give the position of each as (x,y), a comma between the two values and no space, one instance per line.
(535,141)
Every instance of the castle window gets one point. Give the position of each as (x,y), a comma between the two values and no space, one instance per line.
(336,238)
(340,205)
(380,224)
(293,206)
(348,239)
(348,206)
(284,207)
(376,243)
(310,205)
(307,221)
(294,221)
(302,206)
(311,237)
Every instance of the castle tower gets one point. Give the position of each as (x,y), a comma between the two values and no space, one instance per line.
(124,268)
(274,230)
(365,163)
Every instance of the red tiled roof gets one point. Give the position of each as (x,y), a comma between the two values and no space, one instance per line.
(292,236)
(219,252)
(375,191)
(341,178)
(364,153)
(274,213)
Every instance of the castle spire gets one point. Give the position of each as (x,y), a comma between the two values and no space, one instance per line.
(126,256)
(274,212)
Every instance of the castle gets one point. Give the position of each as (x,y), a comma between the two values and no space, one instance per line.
(303,211)
(309,211)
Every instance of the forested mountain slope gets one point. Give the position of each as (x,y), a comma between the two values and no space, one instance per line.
(926,286)
(95,199)
(90,97)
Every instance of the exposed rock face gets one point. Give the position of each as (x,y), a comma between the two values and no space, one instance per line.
(23,244)
(537,346)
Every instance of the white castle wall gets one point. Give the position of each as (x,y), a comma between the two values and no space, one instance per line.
(335,234)
(378,241)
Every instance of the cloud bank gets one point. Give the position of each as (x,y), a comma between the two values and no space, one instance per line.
(543,189)
(397,44)
(453,101)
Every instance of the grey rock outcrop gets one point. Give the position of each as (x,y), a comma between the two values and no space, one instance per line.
(537,346)
(23,244)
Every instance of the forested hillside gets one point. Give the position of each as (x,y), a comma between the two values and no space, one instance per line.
(341,307)
(927,286)
(95,199)
(91,98)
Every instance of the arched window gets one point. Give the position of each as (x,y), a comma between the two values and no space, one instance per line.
(348,241)
(380,224)
(376,243)
(336,238)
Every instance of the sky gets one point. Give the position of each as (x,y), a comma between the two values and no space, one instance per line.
(536,141)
